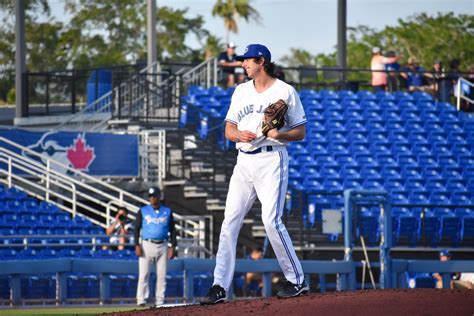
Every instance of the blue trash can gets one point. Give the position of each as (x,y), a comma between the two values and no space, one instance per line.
(98,84)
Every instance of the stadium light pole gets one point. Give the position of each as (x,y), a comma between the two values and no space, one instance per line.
(341,38)
(20,60)
(151,40)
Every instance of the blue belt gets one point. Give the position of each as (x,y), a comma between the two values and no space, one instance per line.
(258,150)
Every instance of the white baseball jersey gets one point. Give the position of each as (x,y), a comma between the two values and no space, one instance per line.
(247,106)
(259,173)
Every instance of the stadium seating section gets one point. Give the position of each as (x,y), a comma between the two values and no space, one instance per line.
(417,149)
(51,233)
(420,151)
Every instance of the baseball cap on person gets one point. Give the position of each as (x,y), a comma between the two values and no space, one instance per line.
(154,191)
(412,60)
(254,51)
(231,45)
(376,50)
(444,253)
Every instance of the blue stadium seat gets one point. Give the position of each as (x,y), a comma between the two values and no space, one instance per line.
(30,254)
(104,254)
(14,205)
(48,253)
(9,254)
(402,95)
(373,184)
(11,219)
(369,228)
(451,229)
(345,160)
(432,228)
(30,204)
(468,228)
(38,287)
(83,286)
(365,95)
(49,208)
(408,228)
(405,159)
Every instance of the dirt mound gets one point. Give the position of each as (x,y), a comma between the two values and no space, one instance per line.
(367,302)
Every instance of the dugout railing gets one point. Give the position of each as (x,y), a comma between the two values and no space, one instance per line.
(300,201)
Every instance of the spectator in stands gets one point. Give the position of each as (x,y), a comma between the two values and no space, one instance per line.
(436,82)
(377,65)
(393,72)
(453,75)
(413,74)
(120,228)
(253,280)
(233,72)
(155,225)
(444,255)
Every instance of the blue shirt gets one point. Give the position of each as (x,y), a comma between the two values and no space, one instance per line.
(155,223)
(415,78)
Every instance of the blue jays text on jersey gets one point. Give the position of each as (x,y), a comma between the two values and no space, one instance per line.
(248,109)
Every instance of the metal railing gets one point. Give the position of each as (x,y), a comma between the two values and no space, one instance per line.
(78,194)
(153,156)
(461,94)
(95,115)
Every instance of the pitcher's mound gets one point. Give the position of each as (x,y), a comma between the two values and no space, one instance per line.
(402,302)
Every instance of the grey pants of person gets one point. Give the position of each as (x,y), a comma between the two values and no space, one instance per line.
(153,255)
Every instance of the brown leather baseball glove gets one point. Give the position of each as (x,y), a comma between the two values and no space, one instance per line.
(274,116)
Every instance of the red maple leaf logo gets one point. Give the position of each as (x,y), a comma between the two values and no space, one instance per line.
(80,155)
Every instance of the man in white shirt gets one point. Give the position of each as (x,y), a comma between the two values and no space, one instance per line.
(261,171)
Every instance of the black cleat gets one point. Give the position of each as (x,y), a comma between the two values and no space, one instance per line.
(292,290)
(215,295)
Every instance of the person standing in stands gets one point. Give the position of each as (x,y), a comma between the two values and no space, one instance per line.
(230,66)
(392,70)
(155,225)
(377,65)
(437,85)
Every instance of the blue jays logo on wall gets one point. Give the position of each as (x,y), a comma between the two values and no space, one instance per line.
(77,155)
(87,152)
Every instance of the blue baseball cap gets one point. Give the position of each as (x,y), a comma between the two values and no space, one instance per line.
(444,253)
(255,51)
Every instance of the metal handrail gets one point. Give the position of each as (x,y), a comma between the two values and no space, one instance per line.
(49,174)
(102,108)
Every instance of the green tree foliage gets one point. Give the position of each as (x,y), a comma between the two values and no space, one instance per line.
(99,33)
(427,38)
(115,31)
(231,10)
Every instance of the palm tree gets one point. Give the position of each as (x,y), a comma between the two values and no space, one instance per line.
(232,10)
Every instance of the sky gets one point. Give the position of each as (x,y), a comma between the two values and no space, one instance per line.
(307,24)
(312,24)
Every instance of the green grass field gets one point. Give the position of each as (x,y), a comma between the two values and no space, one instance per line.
(86,310)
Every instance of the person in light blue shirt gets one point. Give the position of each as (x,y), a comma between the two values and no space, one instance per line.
(154,226)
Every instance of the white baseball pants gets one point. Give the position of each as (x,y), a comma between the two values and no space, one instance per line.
(153,255)
(263,175)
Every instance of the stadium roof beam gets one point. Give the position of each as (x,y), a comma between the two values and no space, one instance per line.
(20,60)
